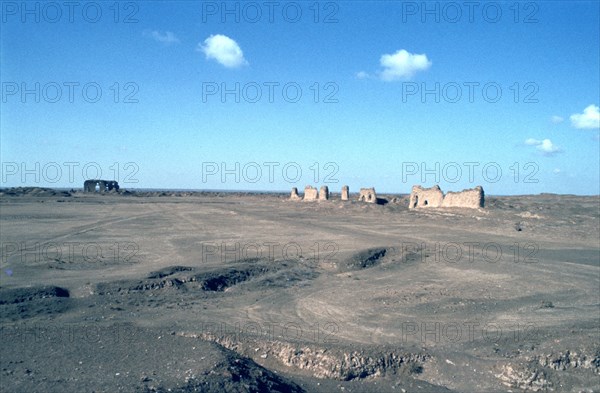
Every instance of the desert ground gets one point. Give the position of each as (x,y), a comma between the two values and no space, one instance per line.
(234,292)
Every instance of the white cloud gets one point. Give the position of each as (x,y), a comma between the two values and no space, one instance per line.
(167,37)
(402,65)
(548,147)
(544,146)
(557,119)
(556,171)
(590,118)
(532,142)
(362,75)
(224,50)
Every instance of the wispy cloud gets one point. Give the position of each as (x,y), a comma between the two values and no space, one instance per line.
(557,119)
(362,75)
(224,50)
(545,146)
(167,38)
(589,119)
(401,65)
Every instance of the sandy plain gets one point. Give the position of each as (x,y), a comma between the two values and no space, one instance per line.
(211,292)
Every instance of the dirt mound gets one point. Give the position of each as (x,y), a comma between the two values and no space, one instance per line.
(364,259)
(20,295)
(125,287)
(221,280)
(127,358)
(238,374)
(290,274)
(33,191)
(341,364)
(184,278)
(22,303)
(169,271)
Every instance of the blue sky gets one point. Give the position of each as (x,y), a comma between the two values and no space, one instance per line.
(503,95)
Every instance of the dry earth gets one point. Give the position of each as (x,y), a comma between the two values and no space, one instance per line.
(212,292)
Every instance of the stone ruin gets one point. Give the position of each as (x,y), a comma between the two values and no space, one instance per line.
(425,197)
(472,198)
(367,195)
(100,185)
(324,193)
(294,196)
(345,193)
(310,193)
(434,197)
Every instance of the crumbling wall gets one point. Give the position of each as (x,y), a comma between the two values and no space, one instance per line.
(471,198)
(425,197)
(367,195)
(294,196)
(434,197)
(324,193)
(112,185)
(310,193)
(89,186)
(345,193)
(103,185)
